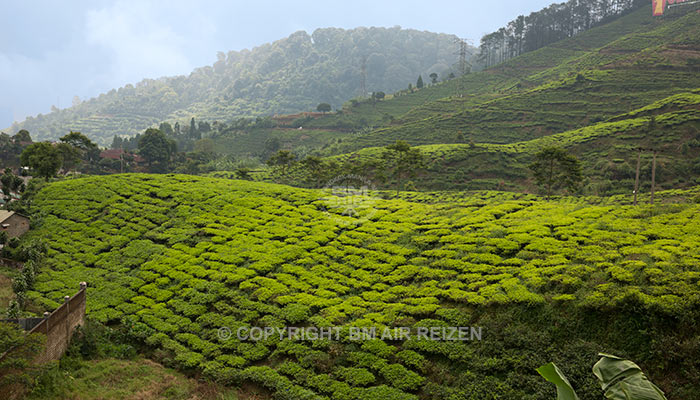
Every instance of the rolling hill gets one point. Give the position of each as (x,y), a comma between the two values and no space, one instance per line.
(290,75)
(172,260)
(606,71)
(594,94)
(607,149)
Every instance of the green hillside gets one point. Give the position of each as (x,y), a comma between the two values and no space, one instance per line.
(290,75)
(608,151)
(601,73)
(176,258)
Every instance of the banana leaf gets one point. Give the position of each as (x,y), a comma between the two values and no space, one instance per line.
(623,380)
(552,374)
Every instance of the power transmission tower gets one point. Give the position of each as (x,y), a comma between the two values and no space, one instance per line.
(464,69)
(463,64)
(364,77)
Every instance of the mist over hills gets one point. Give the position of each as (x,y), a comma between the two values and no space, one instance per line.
(290,75)
(407,211)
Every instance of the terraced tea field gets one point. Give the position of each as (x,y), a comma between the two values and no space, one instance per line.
(174,259)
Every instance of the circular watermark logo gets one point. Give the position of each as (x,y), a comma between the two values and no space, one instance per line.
(224,333)
(347,199)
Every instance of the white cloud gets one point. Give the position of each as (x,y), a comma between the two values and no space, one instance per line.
(138,41)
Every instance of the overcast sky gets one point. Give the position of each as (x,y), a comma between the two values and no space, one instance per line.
(51,51)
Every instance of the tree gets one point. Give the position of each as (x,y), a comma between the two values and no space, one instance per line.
(283,159)
(87,150)
(314,168)
(243,173)
(155,147)
(17,372)
(43,158)
(554,168)
(433,78)
(272,144)
(11,181)
(22,136)
(379,95)
(194,133)
(419,83)
(70,155)
(167,129)
(205,147)
(323,107)
(117,142)
(402,161)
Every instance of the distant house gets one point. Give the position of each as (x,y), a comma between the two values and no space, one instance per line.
(14,224)
(116,154)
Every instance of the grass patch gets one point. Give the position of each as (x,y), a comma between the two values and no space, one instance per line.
(141,379)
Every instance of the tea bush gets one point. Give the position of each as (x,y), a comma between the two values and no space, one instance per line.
(176,258)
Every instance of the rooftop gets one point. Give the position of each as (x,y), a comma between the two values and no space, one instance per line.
(4,214)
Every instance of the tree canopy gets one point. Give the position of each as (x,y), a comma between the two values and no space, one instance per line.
(155,147)
(43,158)
(554,168)
(551,24)
(402,161)
(284,77)
(323,107)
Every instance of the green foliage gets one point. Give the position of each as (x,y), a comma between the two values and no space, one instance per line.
(355,376)
(171,265)
(624,380)
(43,158)
(620,380)
(287,76)
(155,147)
(402,161)
(552,374)
(17,372)
(554,168)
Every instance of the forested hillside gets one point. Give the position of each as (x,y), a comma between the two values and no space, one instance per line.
(290,75)
(601,73)
(550,25)
(600,95)
(604,72)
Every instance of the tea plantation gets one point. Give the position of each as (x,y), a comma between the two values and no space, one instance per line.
(176,258)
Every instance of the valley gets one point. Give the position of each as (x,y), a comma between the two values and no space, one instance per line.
(538,199)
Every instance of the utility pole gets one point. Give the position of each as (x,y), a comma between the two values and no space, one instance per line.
(636,179)
(653,178)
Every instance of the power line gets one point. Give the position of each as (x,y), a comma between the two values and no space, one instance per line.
(464,65)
